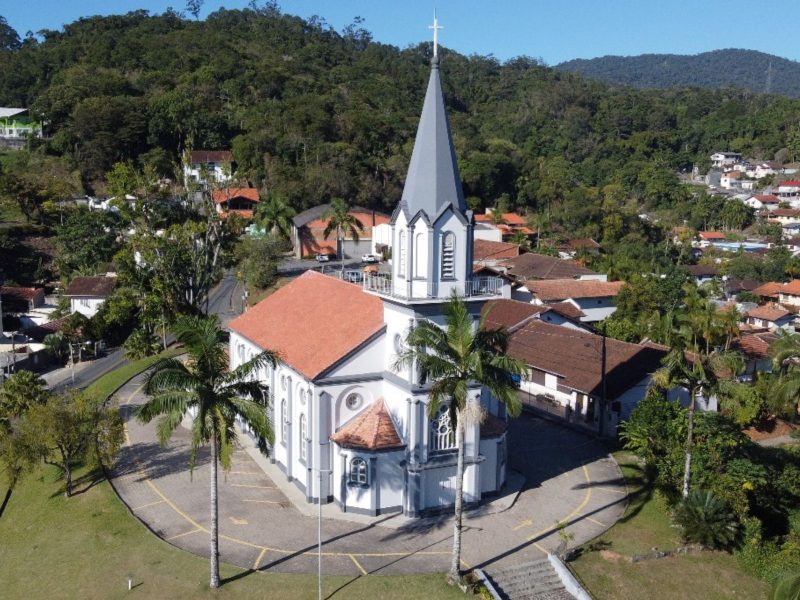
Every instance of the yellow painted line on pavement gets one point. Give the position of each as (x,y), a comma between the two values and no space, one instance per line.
(525,523)
(608,489)
(540,547)
(595,521)
(259,559)
(574,512)
(465,565)
(243,473)
(133,393)
(149,504)
(171,504)
(180,535)
(263,501)
(358,564)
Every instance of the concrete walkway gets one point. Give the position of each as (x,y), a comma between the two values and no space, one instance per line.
(568,478)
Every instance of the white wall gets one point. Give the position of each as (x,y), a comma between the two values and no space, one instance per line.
(381,234)
(595,309)
(86,306)
(486,232)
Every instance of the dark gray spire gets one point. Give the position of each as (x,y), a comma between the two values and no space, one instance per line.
(433,182)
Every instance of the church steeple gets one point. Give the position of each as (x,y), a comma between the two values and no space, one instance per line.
(433,182)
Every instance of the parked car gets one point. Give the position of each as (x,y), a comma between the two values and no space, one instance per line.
(324,257)
(370,258)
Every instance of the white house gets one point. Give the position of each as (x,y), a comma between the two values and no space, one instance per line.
(721,160)
(772,317)
(342,406)
(788,190)
(763,202)
(87,294)
(595,299)
(205,166)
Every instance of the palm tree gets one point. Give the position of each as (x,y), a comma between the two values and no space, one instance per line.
(786,362)
(343,223)
(214,396)
(451,359)
(275,216)
(520,240)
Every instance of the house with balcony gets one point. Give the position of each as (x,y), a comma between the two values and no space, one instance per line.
(771,317)
(16,126)
(342,405)
(238,201)
(724,160)
(788,191)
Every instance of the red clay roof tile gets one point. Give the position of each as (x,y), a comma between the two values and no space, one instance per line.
(371,429)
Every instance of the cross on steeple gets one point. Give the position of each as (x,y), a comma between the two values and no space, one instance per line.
(436,27)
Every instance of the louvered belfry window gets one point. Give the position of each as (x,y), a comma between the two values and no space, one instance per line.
(448,256)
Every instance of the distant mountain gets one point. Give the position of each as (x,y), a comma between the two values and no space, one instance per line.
(747,69)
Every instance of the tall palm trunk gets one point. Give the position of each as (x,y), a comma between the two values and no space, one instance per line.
(214,517)
(687,468)
(455,565)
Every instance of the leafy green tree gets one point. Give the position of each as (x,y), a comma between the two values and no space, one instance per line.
(84,241)
(343,223)
(70,429)
(786,362)
(9,38)
(451,359)
(214,395)
(140,344)
(19,392)
(57,345)
(704,519)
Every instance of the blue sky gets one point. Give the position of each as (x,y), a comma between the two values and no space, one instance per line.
(552,30)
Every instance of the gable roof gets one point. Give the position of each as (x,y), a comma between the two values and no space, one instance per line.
(767,198)
(562,289)
(510,314)
(576,357)
(769,312)
(486,250)
(711,235)
(702,270)
(10,112)
(791,289)
(433,182)
(224,194)
(755,345)
(371,429)
(318,213)
(785,212)
(98,287)
(313,322)
(790,183)
(208,156)
(770,288)
(540,266)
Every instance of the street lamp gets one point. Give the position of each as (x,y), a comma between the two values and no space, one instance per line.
(319,530)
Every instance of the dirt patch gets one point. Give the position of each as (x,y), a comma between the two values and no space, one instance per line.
(770,429)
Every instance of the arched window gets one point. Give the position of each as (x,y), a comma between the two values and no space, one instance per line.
(401,255)
(358,471)
(303,435)
(442,435)
(420,256)
(284,422)
(448,255)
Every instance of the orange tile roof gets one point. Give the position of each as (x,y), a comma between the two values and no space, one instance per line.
(371,429)
(224,194)
(769,312)
(792,288)
(560,289)
(770,288)
(711,235)
(486,249)
(313,322)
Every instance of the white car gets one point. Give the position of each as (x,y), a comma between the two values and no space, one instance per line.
(323,258)
(370,258)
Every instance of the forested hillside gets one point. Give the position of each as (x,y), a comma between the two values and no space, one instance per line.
(748,69)
(313,113)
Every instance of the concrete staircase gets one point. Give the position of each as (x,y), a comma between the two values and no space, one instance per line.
(536,580)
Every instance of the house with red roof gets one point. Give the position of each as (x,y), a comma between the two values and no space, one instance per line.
(498,228)
(342,406)
(771,317)
(203,167)
(308,232)
(768,202)
(235,200)
(788,190)
(595,299)
(789,294)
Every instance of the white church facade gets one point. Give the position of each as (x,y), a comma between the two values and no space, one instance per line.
(350,427)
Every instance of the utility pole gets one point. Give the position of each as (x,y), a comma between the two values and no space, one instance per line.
(601,425)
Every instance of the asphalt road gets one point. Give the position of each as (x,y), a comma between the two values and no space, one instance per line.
(225,301)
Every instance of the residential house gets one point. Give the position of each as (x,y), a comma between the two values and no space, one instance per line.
(788,190)
(764,169)
(772,317)
(789,293)
(487,253)
(17,299)
(308,229)
(349,426)
(731,180)
(540,266)
(734,287)
(567,378)
(756,348)
(785,216)
(596,299)
(87,294)
(583,246)
(709,237)
(768,291)
(16,125)
(510,224)
(238,201)
(207,167)
(703,273)
(721,160)
(513,314)
(768,202)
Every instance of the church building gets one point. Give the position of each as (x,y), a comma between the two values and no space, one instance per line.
(350,428)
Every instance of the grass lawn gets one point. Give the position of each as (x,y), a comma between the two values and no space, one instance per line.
(86,546)
(106,385)
(706,576)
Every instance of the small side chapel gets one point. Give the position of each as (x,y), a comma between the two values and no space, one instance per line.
(348,427)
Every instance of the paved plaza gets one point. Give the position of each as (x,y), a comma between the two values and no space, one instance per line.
(265,523)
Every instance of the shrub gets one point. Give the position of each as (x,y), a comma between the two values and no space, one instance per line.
(706,520)
(787,588)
